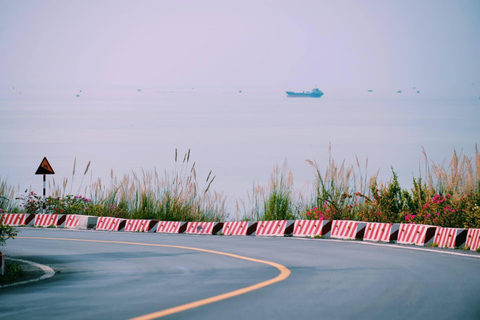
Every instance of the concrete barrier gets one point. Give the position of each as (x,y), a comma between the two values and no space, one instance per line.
(135,225)
(80,222)
(110,224)
(204,227)
(49,220)
(418,234)
(450,237)
(239,228)
(382,232)
(17,219)
(275,228)
(473,239)
(71,221)
(312,228)
(346,229)
(171,227)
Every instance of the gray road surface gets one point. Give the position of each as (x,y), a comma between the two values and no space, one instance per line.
(329,279)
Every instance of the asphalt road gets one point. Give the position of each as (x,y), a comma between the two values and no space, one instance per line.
(328,280)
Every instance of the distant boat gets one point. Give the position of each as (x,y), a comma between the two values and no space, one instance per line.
(399,91)
(139,90)
(370,91)
(315,93)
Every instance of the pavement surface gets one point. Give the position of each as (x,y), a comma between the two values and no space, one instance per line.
(119,275)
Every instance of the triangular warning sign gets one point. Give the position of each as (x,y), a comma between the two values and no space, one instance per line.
(45,168)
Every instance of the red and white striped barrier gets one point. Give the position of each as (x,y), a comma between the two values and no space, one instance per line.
(110,224)
(71,221)
(49,220)
(311,228)
(78,221)
(204,227)
(140,225)
(450,237)
(17,219)
(346,229)
(239,228)
(275,228)
(418,234)
(171,227)
(383,232)
(473,239)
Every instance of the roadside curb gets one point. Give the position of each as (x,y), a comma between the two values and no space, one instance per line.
(48,272)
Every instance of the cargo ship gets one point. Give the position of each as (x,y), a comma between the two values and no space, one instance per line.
(315,93)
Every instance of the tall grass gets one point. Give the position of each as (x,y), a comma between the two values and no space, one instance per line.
(276,201)
(177,196)
(333,187)
(8,201)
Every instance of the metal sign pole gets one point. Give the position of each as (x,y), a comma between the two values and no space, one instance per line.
(44,193)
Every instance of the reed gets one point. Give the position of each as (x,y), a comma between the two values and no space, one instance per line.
(333,188)
(8,200)
(276,201)
(175,197)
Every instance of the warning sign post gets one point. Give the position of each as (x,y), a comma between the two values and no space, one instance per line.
(44,168)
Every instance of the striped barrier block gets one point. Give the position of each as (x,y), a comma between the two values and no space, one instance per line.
(383,232)
(78,221)
(110,224)
(141,225)
(71,221)
(17,219)
(204,227)
(346,229)
(473,239)
(450,237)
(311,228)
(418,234)
(275,228)
(49,220)
(239,228)
(171,227)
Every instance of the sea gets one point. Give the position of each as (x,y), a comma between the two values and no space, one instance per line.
(240,133)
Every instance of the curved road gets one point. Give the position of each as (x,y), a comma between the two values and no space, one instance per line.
(117,275)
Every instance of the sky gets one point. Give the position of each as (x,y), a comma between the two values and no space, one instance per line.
(217,43)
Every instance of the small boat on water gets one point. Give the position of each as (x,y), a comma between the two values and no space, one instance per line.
(315,93)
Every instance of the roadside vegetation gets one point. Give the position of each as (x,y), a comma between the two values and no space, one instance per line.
(446,194)
(176,196)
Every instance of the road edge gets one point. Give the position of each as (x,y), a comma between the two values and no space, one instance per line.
(49,272)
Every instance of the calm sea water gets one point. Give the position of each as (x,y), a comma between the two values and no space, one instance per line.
(240,136)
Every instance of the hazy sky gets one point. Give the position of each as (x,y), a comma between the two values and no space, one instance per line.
(385,42)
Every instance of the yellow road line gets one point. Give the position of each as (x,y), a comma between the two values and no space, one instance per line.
(284,273)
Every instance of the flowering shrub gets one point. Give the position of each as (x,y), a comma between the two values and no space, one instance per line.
(68,205)
(32,203)
(116,212)
(469,205)
(320,214)
(439,211)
